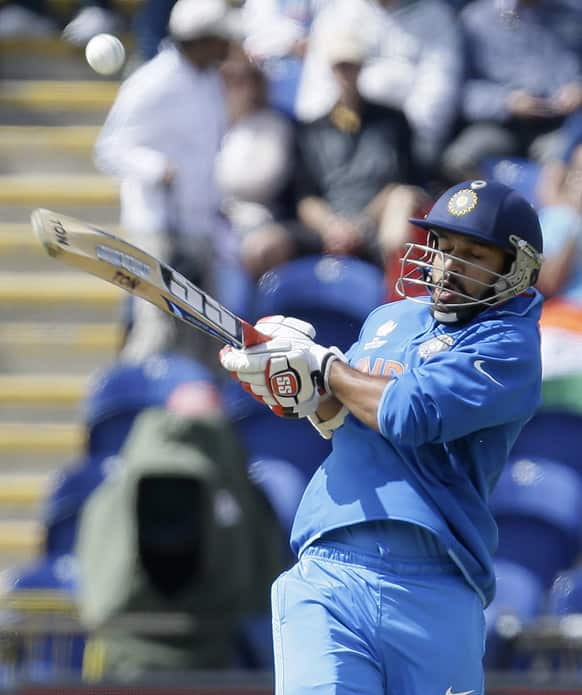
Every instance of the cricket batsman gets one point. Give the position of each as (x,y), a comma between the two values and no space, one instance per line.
(393,536)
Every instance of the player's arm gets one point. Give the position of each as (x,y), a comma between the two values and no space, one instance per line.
(360,393)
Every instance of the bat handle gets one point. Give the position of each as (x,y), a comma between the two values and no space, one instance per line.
(251,336)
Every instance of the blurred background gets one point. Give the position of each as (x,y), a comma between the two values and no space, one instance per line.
(274,159)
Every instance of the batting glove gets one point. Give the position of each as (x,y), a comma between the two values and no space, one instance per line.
(288,373)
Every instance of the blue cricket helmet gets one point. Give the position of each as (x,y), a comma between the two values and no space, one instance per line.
(488,211)
(491,213)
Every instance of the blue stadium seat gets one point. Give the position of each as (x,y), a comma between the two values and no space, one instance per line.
(335,294)
(44,593)
(69,492)
(538,507)
(518,601)
(518,173)
(565,594)
(552,434)
(121,390)
(266,436)
(283,485)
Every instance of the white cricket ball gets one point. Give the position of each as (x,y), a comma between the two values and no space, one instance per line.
(105,54)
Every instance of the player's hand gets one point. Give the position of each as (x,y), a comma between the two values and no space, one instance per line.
(288,373)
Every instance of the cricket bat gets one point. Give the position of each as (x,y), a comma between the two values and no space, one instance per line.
(114,260)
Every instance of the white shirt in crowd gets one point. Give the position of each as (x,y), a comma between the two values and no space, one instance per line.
(167,114)
(415,56)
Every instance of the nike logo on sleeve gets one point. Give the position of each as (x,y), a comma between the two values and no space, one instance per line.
(478,364)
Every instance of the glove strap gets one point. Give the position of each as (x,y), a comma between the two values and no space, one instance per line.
(333,354)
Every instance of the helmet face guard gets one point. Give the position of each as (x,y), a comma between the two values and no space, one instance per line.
(418,262)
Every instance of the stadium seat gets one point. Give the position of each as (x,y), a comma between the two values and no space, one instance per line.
(69,492)
(518,601)
(565,594)
(123,389)
(538,506)
(283,485)
(335,294)
(42,596)
(266,436)
(518,173)
(552,434)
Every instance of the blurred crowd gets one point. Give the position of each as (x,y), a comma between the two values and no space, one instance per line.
(248,137)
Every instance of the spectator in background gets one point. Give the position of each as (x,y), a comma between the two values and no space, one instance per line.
(354,164)
(523,81)
(415,65)
(254,167)
(276,38)
(560,213)
(93,17)
(23,18)
(161,138)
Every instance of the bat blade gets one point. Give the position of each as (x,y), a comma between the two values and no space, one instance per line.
(120,263)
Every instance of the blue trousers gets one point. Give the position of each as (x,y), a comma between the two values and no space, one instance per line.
(349,620)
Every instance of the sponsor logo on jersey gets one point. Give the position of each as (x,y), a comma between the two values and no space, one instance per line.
(439,343)
(374,343)
(386,328)
(478,364)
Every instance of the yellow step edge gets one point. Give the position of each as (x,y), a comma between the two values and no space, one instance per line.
(20,537)
(42,389)
(15,236)
(50,46)
(23,490)
(82,95)
(54,288)
(40,437)
(62,137)
(81,336)
(57,189)
(71,6)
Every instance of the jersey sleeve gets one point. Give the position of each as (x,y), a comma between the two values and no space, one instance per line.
(473,387)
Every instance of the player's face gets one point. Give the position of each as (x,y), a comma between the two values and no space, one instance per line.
(465,270)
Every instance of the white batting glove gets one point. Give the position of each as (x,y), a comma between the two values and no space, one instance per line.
(288,373)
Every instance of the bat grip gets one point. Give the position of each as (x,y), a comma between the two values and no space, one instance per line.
(251,336)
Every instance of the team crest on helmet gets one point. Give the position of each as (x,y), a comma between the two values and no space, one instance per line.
(438,344)
(462,202)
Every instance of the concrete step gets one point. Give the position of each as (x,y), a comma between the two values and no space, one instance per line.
(58,296)
(104,216)
(20,541)
(38,190)
(40,438)
(40,448)
(42,389)
(59,95)
(32,398)
(70,347)
(22,494)
(65,8)
(21,250)
(52,149)
(45,57)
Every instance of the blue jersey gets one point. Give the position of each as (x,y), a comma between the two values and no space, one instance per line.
(448,419)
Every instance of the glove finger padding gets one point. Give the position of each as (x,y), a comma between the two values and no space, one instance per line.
(285,327)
